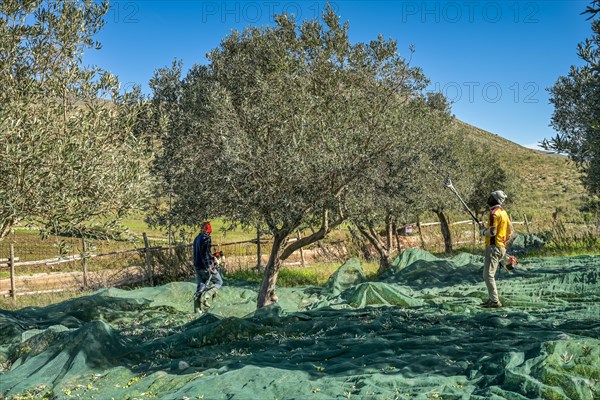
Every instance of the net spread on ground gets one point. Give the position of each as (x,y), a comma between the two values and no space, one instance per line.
(416,332)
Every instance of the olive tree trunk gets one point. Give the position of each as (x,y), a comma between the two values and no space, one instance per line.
(445,227)
(384,247)
(283,249)
(266,294)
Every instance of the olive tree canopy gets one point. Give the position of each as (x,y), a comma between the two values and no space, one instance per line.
(67,152)
(576,100)
(288,126)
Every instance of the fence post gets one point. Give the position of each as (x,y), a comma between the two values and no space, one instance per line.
(396,236)
(420,232)
(11,264)
(148,261)
(527,224)
(474,235)
(258,255)
(84,262)
(302,260)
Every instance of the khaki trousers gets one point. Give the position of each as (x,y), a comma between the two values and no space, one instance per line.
(493,256)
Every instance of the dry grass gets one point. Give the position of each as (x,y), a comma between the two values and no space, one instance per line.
(39,300)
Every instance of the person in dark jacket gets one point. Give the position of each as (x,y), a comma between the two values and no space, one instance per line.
(206,272)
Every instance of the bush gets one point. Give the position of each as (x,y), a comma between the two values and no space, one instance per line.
(171,265)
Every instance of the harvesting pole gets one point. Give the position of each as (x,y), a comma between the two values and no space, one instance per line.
(449,185)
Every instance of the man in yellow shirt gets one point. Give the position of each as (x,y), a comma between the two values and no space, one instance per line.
(497,232)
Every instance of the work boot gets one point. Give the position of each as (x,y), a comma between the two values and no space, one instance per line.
(493,304)
(197,308)
(209,295)
(205,303)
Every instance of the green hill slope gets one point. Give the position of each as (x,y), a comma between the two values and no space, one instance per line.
(545,181)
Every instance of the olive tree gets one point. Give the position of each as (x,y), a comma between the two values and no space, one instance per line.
(396,193)
(411,182)
(164,124)
(429,194)
(67,152)
(576,117)
(474,173)
(287,125)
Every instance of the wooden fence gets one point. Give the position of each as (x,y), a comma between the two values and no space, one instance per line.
(148,270)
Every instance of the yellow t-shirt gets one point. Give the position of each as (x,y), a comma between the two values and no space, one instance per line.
(499,219)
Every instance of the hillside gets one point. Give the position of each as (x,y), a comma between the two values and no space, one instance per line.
(545,181)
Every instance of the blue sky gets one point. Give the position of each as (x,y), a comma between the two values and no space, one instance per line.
(494,59)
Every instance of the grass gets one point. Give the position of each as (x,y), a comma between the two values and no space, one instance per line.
(30,246)
(313,275)
(222,231)
(576,246)
(544,181)
(563,252)
(40,300)
(136,225)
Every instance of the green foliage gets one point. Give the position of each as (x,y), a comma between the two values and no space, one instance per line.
(399,188)
(39,300)
(172,265)
(437,101)
(593,8)
(565,242)
(287,126)
(286,154)
(165,124)
(290,277)
(110,230)
(67,146)
(576,99)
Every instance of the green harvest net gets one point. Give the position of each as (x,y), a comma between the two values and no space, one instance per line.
(417,332)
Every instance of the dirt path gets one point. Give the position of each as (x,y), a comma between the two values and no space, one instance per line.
(55,281)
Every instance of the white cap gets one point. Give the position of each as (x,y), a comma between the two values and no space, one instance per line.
(500,196)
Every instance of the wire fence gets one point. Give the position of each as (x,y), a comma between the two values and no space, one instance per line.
(90,264)
(30,265)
